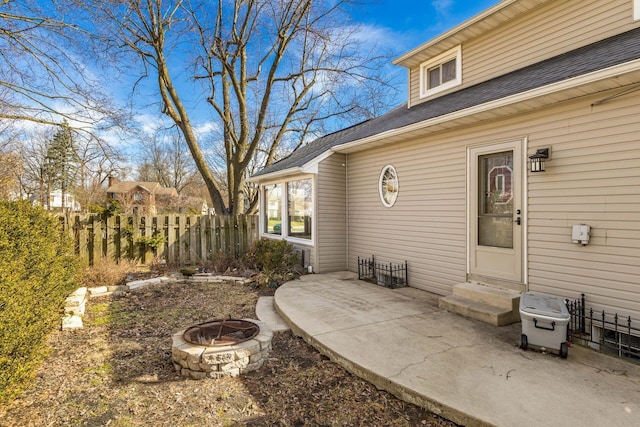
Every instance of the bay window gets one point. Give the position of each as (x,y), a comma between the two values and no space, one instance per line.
(299,201)
(273,209)
(288,209)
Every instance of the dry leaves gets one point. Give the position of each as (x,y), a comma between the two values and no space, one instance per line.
(117,371)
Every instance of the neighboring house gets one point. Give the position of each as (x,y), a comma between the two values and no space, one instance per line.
(138,197)
(194,205)
(58,202)
(445,182)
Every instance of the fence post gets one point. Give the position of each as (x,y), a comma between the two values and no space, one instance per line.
(80,231)
(94,240)
(212,236)
(204,252)
(182,239)
(171,240)
(110,238)
(192,238)
(147,253)
(161,229)
(127,236)
(254,231)
(242,236)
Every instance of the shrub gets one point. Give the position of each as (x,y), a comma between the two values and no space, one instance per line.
(112,208)
(38,270)
(105,272)
(225,263)
(275,258)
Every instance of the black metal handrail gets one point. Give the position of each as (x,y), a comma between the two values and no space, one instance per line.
(607,332)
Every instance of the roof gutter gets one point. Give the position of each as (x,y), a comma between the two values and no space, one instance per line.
(274,175)
(503,102)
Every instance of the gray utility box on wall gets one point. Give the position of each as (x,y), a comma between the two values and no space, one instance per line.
(545,319)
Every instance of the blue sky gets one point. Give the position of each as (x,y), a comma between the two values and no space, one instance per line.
(413,22)
(397,26)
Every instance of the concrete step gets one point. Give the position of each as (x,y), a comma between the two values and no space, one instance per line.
(488,294)
(490,304)
(265,311)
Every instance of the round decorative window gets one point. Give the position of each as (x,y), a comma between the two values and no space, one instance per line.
(388,186)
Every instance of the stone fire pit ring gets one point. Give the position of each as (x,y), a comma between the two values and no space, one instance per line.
(199,361)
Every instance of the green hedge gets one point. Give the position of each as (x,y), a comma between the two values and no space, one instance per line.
(37,272)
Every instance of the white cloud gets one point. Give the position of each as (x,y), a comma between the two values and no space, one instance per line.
(442,7)
(148,124)
(205,128)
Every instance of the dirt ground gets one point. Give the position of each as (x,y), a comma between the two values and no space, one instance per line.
(117,371)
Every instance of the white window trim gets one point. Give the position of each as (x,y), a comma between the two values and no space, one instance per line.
(382,172)
(284,212)
(636,10)
(265,208)
(456,53)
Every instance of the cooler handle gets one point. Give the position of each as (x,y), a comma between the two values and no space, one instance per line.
(552,328)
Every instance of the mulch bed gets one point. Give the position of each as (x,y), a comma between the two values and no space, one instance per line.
(117,371)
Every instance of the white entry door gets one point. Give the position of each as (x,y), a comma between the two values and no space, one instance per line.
(495,211)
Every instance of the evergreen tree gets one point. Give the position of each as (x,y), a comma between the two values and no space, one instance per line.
(61,162)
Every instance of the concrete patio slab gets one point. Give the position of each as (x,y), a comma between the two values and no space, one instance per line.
(468,371)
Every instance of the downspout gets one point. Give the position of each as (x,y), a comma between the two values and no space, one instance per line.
(346,208)
(525,209)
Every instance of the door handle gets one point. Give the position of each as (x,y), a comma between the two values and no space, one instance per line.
(518,220)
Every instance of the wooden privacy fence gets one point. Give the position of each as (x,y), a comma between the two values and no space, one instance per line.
(178,239)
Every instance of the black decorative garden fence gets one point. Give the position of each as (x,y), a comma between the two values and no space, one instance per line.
(385,274)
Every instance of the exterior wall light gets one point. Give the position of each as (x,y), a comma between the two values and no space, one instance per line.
(537,160)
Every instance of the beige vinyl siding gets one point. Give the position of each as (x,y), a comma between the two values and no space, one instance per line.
(593,178)
(595,181)
(426,226)
(548,31)
(331,239)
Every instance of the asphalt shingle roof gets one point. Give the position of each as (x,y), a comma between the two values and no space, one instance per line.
(603,54)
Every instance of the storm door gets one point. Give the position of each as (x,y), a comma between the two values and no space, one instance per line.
(495,206)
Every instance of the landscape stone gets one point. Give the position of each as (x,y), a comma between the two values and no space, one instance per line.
(71,322)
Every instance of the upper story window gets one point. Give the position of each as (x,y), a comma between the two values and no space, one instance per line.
(441,73)
(636,10)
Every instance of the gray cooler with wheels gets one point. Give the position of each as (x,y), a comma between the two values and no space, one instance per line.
(545,320)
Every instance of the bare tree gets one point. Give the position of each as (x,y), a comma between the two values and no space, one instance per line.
(98,161)
(275,73)
(94,162)
(10,164)
(43,77)
(168,161)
